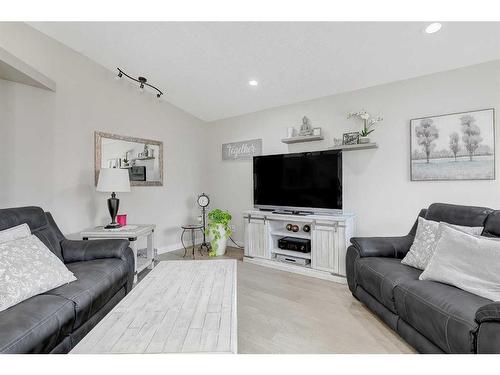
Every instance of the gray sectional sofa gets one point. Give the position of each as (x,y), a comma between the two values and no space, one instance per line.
(432,317)
(55,321)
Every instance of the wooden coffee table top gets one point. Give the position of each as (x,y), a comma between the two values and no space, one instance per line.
(180,306)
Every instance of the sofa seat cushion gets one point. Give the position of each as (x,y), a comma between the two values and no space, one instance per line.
(379,276)
(97,281)
(36,325)
(442,313)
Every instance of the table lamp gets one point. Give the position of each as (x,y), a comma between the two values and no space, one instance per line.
(113,180)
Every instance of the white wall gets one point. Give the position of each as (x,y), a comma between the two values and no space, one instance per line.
(377,186)
(46,141)
(46,144)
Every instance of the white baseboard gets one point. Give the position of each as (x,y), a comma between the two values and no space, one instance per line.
(174,247)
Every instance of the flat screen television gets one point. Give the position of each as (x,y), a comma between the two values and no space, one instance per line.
(306,181)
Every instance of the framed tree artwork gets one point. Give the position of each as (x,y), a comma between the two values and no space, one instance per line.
(456,146)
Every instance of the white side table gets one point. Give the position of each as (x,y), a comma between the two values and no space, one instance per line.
(132,233)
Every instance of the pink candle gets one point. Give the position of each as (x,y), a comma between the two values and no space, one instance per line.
(122,220)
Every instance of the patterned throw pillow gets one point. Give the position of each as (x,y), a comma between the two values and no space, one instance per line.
(424,244)
(14,233)
(28,268)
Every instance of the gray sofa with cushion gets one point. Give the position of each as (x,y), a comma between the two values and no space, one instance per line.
(432,317)
(55,321)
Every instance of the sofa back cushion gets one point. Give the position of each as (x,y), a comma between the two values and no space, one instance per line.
(492,225)
(469,216)
(37,221)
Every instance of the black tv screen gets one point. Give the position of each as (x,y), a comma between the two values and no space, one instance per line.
(301,180)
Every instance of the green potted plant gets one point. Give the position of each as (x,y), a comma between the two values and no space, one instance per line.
(218,231)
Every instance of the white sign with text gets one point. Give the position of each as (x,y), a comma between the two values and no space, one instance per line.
(242,150)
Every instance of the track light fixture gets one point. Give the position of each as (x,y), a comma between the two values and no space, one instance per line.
(142,83)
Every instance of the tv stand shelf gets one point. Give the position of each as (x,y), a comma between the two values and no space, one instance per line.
(329,234)
(290,234)
(295,254)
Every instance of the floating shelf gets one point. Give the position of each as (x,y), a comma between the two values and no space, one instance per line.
(296,254)
(15,70)
(305,138)
(359,146)
(147,158)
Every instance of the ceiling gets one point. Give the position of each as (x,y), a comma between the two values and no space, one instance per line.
(204,67)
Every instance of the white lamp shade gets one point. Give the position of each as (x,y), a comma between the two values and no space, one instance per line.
(113,180)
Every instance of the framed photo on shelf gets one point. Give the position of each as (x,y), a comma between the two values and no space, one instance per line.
(350,138)
(455,146)
(316,131)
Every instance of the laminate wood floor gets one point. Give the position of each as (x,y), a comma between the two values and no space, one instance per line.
(282,312)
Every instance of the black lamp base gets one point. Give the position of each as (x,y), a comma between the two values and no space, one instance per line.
(112,226)
(113,204)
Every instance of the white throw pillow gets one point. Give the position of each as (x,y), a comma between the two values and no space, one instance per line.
(14,233)
(423,246)
(471,263)
(28,268)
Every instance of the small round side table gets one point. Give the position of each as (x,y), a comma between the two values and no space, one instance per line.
(192,228)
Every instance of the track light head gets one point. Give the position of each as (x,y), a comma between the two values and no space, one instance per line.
(142,80)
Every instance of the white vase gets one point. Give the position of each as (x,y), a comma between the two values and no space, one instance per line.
(364,140)
(221,243)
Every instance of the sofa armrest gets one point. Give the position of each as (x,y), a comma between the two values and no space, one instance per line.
(351,258)
(77,251)
(488,313)
(488,338)
(389,247)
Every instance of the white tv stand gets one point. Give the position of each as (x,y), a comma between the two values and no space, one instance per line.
(329,235)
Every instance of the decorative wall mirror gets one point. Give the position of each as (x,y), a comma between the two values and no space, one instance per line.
(142,157)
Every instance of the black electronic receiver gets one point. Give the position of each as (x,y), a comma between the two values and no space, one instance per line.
(301,245)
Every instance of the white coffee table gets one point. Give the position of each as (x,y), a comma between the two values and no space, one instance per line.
(181,306)
(132,233)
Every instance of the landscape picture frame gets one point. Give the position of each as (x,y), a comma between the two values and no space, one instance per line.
(458,146)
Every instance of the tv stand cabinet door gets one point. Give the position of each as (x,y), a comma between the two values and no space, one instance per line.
(323,252)
(256,239)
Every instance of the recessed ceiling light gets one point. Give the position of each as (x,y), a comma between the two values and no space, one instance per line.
(433,28)
(253,82)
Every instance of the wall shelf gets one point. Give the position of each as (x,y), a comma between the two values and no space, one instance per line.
(305,138)
(359,146)
(146,158)
(15,70)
